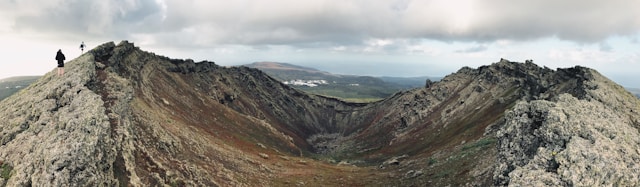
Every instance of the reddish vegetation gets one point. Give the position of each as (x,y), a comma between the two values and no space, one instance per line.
(231,126)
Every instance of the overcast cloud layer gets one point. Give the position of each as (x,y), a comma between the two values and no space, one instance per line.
(345,26)
(325,22)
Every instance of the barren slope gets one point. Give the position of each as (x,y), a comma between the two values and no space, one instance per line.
(123,116)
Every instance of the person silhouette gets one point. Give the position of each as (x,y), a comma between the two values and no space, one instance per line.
(82,47)
(60,57)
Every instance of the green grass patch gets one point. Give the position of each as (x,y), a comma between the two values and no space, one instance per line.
(359,94)
(361,100)
(432,161)
(6,171)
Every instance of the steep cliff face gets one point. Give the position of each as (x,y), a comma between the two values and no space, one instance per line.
(121,116)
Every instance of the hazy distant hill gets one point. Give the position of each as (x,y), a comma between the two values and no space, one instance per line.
(350,87)
(411,82)
(12,85)
(634,91)
(290,68)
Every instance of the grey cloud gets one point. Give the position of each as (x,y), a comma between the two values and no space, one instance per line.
(333,22)
(351,22)
(115,18)
(584,21)
(475,49)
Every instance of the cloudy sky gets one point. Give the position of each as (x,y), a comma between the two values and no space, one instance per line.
(365,37)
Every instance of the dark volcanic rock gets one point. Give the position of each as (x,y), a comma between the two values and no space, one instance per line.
(123,116)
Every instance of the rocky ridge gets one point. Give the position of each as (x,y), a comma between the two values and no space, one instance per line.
(567,141)
(121,116)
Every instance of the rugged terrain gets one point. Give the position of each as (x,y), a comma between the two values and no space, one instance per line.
(121,116)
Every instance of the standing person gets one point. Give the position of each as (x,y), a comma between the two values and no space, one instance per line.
(82,47)
(60,58)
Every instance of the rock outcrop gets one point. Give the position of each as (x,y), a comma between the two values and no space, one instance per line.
(56,132)
(121,116)
(569,141)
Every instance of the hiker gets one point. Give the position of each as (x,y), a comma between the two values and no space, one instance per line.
(60,58)
(82,47)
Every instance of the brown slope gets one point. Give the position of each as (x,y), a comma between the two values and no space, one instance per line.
(464,103)
(226,113)
(151,120)
(243,90)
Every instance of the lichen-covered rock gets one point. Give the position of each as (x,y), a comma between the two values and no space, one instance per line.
(55,132)
(121,116)
(572,142)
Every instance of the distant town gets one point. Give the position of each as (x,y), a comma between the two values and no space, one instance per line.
(309,83)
